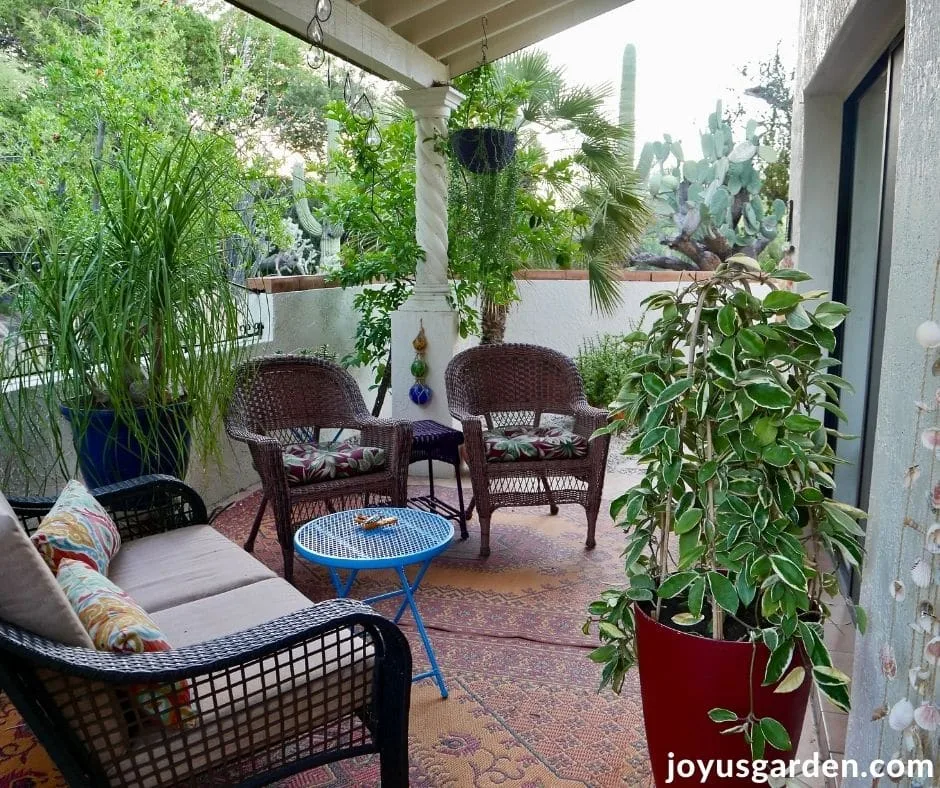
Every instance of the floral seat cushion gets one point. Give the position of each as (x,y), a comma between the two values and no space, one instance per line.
(515,444)
(323,462)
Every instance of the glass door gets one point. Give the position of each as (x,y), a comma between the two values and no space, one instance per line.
(863,263)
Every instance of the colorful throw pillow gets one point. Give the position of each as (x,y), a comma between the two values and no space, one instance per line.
(115,622)
(321,462)
(514,444)
(79,528)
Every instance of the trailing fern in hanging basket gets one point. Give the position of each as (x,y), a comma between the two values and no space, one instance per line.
(728,530)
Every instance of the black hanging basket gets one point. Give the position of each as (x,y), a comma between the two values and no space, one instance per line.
(483,149)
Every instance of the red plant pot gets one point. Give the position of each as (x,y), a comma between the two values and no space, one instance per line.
(683,677)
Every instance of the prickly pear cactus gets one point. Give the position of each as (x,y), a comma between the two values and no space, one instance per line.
(710,209)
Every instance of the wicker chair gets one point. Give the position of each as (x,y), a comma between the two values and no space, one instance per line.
(262,713)
(285,400)
(497,386)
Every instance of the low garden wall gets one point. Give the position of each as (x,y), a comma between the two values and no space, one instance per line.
(306,312)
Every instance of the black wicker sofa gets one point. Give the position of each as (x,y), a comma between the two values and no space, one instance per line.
(279,684)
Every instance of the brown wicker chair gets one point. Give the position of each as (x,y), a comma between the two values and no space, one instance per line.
(497,386)
(283,400)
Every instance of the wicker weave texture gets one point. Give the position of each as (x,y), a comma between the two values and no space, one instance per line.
(277,399)
(328,682)
(514,384)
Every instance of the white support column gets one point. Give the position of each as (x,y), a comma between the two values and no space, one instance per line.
(428,303)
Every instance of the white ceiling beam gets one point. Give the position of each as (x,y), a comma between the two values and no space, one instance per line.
(518,12)
(355,36)
(438,20)
(530,30)
(393,12)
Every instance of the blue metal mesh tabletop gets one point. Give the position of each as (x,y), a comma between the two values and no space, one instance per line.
(338,540)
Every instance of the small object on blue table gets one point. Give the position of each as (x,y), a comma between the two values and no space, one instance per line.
(433,441)
(337,541)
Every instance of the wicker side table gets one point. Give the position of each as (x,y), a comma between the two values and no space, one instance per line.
(433,441)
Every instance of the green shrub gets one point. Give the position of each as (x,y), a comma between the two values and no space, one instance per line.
(603,363)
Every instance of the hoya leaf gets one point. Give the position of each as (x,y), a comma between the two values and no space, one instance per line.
(790,275)
(775,734)
(697,596)
(722,715)
(768,395)
(861,619)
(830,314)
(723,591)
(798,318)
(792,681)
(833,674)
(726,320)
(798,422)
(675,584)
(653,438)
(781,300)
(686,619)
(687,521)
(780,659)
(788,572)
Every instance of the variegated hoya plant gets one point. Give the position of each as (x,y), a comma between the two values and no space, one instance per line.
(726,530)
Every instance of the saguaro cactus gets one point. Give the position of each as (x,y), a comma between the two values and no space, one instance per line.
(628,96)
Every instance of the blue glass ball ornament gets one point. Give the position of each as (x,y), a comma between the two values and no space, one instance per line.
(420,393)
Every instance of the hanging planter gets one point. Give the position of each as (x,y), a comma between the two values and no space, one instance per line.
(484,149)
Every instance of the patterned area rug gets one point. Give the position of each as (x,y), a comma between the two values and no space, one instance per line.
(523,708)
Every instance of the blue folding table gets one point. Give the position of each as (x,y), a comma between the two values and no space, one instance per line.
(337,542)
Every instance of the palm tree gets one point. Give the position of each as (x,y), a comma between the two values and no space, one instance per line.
(587,174)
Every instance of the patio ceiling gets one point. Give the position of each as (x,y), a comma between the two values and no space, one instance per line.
(423,42)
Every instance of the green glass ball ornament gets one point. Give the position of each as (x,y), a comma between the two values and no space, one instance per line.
(419,368)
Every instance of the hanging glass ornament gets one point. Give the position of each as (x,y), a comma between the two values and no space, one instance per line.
(314,57)
(420,392)
(373,137)
(324,9)
(316,33)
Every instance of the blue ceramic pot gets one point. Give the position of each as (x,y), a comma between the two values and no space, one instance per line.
(108,452)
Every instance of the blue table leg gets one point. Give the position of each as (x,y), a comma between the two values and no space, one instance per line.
(407,590)
(343,589)
(414,587)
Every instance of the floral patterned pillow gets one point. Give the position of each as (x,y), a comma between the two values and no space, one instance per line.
(115,622)
(77,527)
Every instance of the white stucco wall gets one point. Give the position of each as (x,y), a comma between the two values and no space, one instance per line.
(840,39)
(556,314)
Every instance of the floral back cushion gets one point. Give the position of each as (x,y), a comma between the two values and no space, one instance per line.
(520,443)
(77,527)
(115,622)
(320,462)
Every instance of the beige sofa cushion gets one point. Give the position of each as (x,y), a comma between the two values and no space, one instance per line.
(30,597)
(257,708)
(170,569)
(233,611)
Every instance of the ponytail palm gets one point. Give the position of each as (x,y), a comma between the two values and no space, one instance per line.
(135,312)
